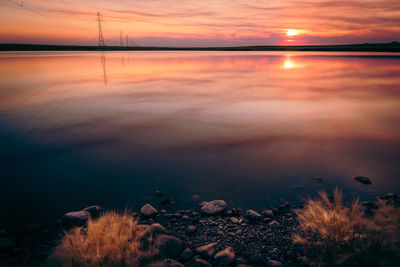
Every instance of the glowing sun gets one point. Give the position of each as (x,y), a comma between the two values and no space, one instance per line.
(292,32)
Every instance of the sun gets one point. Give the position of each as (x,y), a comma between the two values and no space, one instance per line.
(292,32)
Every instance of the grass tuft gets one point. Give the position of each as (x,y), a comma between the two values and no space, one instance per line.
(335,234)
(111,240)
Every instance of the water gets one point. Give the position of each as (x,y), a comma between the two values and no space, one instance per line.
(85,128)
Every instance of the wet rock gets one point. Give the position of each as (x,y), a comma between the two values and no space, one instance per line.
(157,228)
(214,207)
(207,251)
(148,210)
(171,263)
(95,211)
(274,263)
(274,224)
(191,229)
(75,218)
(186,255)
(169,246)
(225,257)
(252,215)
(362,179)
(6,243)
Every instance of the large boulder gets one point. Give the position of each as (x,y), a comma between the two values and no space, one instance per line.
(207,251)
(214,207)
(148,210)
(75,218)
(225,257)
(169,246)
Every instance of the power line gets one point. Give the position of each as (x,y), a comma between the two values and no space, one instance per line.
(99,21)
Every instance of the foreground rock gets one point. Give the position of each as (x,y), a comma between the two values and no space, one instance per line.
(214,207)
(225,257)
(95,211)
(148,210)
(169,246)
(207,251)
(252,215)
(75,218)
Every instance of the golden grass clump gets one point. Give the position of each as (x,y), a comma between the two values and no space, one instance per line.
(335,234)
(111,240)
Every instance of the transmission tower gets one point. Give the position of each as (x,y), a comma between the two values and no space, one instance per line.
(121,43)
(99,21)
(127,41)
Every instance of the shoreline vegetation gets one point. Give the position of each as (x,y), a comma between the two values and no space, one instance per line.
(366,47)
(318,232)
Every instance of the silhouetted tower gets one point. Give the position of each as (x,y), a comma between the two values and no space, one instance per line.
(127,41)
(121,43)
(99,21)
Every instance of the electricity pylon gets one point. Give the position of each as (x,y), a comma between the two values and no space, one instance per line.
(127,41)
(99,21)
(121,43)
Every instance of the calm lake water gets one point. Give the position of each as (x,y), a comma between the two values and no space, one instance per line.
(81,128)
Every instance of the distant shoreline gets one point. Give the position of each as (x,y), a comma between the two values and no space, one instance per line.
(366,47)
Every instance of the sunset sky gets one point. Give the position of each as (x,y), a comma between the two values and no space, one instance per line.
(201,23)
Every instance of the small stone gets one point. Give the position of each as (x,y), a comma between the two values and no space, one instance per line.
(171,263)
(195,197)
(234,220)
(238,232)
(75,218)
(252,215)
(268,213)
(95,211)
(362,179)
(157,228)
(200,263)
(225,257)
(274,224)
(274,263)
(207,251)
(186,255)
(148,210)
(169,246)
(191,229)
(214,207)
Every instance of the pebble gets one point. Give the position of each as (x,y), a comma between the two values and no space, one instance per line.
(148,210)
(252,215)
(214,207)
(207,251)
(225,257)
(362,179)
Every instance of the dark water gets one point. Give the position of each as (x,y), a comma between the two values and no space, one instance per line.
(78,129)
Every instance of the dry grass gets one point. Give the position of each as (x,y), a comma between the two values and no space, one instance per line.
(111,240)
(335,234)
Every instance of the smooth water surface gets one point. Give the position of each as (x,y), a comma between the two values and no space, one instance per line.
(85,128)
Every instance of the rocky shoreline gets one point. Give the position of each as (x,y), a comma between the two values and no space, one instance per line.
(211,235)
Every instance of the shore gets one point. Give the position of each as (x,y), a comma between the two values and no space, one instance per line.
(252,238)
(366,47)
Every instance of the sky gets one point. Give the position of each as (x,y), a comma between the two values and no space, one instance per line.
(200,23)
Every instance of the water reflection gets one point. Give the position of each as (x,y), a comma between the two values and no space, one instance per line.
(251,127)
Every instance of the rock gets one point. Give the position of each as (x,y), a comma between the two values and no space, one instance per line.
(157,228)
(362,179)
(195,197)
(95,211)
(274,263)
(200,263)
(225,257)
(191,229)
(252,215)
(214,207)
(75,218)
(207,251)
(159,192)
(6,243)
(171,263)
(234,220)
(169,246)
(274,224)
(186,255)
(268,213)
(148,210)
